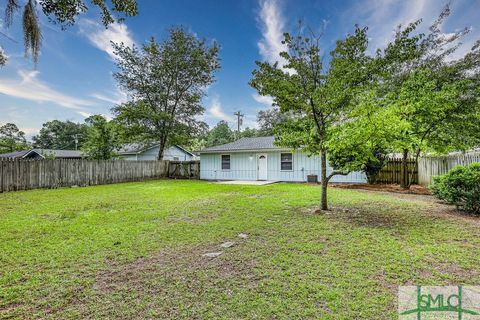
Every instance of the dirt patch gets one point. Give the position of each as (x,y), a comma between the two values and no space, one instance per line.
(174,263)
(161,281)
(331,211)
(450,212)
(414,189)
(361,217)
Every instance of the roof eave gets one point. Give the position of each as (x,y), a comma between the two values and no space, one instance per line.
(245,150)
(184,150)
(26,154)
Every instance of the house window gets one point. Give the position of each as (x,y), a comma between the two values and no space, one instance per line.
(225,162)
(286,161)
(176,158)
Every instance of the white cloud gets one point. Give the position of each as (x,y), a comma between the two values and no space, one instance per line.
(29,87)
(84,114)
(115,98)
(30,132)
(88,114)
(215,110)
(383,16)
(266,100)
(272,25)
(102,37)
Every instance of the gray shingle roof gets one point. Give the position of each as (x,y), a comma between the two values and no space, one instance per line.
(246,144)
(16,154)
(44,153)
(59,153)
(134,148)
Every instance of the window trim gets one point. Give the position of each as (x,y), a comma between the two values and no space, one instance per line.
(286,170)
(229,162)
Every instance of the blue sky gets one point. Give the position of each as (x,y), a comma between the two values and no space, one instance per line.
(74,76)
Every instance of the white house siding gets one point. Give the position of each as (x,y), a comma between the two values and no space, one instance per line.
(169,154)
(243,166)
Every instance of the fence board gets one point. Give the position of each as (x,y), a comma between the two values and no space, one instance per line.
(19,174)
(390,173)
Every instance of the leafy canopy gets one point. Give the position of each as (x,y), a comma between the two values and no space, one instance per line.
(166,82)
(12,139)
(62,135)
(267,120)
(102,140)
(313,97)
(433,94)
(220,134)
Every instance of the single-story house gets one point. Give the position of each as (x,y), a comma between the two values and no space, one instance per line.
(260,159)
(138,151)
(40,154)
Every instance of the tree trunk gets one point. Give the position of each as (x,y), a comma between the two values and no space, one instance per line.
(161,150)
(323,159)
(404,171)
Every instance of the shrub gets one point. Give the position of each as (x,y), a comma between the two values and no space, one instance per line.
(460,186)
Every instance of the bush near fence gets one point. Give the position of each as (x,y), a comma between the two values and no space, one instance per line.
(19,174)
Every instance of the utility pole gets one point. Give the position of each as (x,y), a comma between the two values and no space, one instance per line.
(75,136)
(239,116)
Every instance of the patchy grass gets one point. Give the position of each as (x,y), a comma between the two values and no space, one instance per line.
(135,251)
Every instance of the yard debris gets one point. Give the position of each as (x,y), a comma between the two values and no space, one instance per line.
(212,254)
(243,235)
(227,244)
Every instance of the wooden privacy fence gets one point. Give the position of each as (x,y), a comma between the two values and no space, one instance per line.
(390,173)
(16,174)
(430,167)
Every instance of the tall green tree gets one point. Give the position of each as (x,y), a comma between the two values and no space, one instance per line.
(249,133)
(62,135)
(267,119)
(63,12)
(166,82)
(433,95)
(12,139)
(220,134)
(102,140)
(315,97)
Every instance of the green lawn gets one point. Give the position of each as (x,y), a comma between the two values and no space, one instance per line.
(135,251)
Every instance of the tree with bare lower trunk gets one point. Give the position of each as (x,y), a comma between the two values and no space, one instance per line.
(165,83)
(431,90)
(315,98)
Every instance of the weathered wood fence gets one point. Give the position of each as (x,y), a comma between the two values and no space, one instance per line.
(184,169)
(390,173)
(18,174)
(430,167)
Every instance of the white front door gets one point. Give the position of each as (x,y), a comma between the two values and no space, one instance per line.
(262,167)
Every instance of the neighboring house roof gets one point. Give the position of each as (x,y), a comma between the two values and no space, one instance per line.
(44,153)
(16,154)
(136,148)
(58,153)
(245,144)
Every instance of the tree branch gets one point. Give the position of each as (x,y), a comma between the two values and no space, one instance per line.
(335,173)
